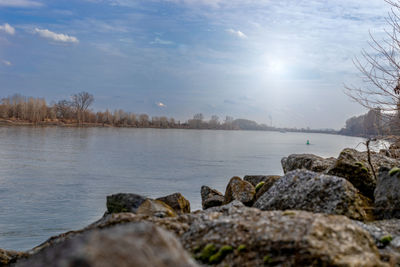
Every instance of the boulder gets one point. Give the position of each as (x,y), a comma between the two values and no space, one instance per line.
(387,194)
(211,197)
(135,244)
(176,201)
(315,192)
(354,166)
(256,179)
(267,184)
(391,153)
(386,234)
(250,237)
(237,189)
(151,207)
(124,202)
(9,256)
(306,161)
(233,235)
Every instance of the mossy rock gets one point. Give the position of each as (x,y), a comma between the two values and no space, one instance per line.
(394,171)
(242,248)
(206,253)
(386,240)
(220,255)
(267,260)
(359,164)
(259,185)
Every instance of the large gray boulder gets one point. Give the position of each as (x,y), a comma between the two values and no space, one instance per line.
(134,244)
(315,192)
(251,237)
(124,202)
(387,194)
(238,189)
(211,197)
(306,161)
(355,167)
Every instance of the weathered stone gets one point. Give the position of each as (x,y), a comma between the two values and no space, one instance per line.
(256,179)
(124,202)
(387,194)
(315,192)
(354,166)
(386,234)
(391,153)
(284,238)
(306,161)
(10,256)
(210,197)
(135,244)
(239,190)
(268,183)
(176,201)
(151,207)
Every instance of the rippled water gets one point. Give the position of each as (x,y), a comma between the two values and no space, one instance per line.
(56,179)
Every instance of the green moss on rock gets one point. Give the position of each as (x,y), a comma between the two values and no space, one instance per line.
(394,171)
(386,240)
(242,248)
(220,255)
(207,252)
(267,259)
(359,164)
(259,185)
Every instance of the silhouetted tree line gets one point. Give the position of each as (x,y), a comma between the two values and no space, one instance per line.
(373,123)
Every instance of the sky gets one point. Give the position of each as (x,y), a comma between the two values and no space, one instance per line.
(279,62)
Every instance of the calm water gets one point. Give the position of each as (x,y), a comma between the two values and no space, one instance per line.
(56,179)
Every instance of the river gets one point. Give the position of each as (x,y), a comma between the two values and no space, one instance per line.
(56,179)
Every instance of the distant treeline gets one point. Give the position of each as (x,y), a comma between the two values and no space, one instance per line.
(373,123)
(76,111)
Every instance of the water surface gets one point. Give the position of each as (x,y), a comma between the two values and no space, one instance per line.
(56,179)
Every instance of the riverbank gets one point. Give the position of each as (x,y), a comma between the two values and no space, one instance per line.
(323,211)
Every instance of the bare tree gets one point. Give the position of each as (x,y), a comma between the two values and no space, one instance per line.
(380,70)
(81,102)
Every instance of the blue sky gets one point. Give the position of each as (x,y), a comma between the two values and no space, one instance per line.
(282,61)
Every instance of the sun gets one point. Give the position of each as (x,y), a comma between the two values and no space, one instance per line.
(275,66)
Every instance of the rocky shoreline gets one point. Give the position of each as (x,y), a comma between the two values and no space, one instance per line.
(341,211)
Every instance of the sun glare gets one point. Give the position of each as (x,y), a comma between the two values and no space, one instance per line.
(275,66)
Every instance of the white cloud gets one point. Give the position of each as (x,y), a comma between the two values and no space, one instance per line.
(20,3)
(7,28)
(237,33)
(161,42)
(161,105)
(58,37)
(7,63)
